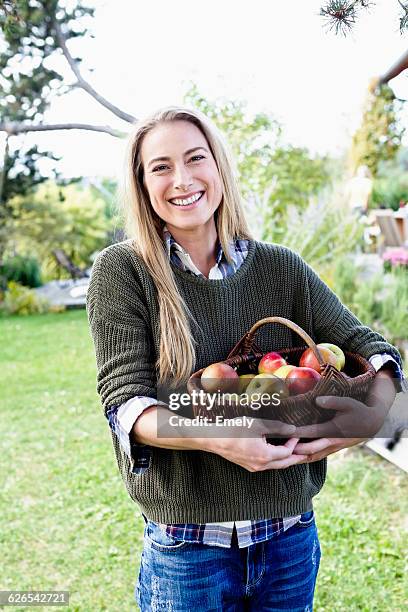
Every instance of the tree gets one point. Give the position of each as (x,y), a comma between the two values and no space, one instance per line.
(34,32)
(73,218)
(378,139)
(271,174)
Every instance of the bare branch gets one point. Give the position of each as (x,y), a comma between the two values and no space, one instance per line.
(400,65)
(13,128)
(84,84)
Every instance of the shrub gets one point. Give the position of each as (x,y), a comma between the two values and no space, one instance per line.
(21,300)
(380,302)
(324,231)
(23,270)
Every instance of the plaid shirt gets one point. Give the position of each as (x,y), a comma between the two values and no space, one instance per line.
(122,418)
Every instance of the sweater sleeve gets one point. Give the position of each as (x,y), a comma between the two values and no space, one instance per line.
(120,328)
(334,322)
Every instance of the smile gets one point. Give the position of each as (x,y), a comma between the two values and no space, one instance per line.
(182,202)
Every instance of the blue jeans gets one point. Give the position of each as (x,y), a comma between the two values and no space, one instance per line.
(279,574)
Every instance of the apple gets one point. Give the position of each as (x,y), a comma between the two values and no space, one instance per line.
(270,362)
(267,383)
(283,371)
(219,377)
(308,359)
(244,381)
(341,359)
(301,380)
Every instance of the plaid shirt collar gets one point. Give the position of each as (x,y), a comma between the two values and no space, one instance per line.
(238,250)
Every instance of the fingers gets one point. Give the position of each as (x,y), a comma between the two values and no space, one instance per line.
(309,448)
(274,428)
(332,402)
(291,444)
(283,451)
(284,463)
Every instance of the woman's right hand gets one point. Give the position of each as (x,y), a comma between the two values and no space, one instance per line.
(255,454)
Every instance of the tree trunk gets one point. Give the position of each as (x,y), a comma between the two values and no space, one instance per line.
(3,203)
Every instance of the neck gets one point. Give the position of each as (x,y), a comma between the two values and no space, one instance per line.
(200,243)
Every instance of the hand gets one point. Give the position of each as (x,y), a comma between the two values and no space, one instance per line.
(319,449)
(255,454)
(354,419)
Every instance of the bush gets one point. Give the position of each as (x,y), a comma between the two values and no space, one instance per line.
(21,300)
(324,231)
(23,270)
(380,302)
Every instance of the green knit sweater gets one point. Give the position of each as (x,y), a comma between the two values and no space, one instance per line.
(197,486)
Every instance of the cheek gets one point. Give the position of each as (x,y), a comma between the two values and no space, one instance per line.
(156,192)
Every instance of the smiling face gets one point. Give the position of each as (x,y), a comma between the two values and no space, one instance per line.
(180,175)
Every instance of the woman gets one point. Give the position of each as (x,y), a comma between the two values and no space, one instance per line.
(229,521)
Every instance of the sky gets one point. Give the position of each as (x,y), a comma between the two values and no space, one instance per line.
(276,56)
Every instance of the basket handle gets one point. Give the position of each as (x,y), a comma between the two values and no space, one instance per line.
(247,344)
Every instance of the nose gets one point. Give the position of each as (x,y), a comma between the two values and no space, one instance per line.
(182,178)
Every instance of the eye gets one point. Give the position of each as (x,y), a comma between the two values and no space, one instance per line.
(198,157)
(158,168)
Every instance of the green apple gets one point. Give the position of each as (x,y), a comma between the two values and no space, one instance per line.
(244,381)
(283,371)
(267,383)
(341,359)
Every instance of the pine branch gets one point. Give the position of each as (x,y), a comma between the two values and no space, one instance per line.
(81,82)
(341,15)
(13,128)
(404,18)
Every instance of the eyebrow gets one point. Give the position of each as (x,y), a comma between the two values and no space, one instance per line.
(156,159)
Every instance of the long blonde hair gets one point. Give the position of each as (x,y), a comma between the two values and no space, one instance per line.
(176,359)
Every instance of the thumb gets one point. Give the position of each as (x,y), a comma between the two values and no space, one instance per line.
(330,402)
(277,428)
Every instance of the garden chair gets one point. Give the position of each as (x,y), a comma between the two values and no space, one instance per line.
(389,228)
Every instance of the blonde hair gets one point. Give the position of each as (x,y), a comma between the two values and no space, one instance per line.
(176,359)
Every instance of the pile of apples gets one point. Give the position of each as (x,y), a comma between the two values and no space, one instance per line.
(275,375)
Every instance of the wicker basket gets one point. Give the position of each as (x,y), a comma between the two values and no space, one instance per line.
(298,410)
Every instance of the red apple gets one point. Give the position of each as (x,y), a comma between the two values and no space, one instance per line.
(270,362)
(308,359)
(219,377)
(341,359)
(302,380)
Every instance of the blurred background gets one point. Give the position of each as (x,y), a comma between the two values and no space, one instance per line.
(312,99)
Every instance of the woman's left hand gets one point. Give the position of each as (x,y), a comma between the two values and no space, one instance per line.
(353,423)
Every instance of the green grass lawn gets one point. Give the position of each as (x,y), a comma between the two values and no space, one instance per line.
(68,523)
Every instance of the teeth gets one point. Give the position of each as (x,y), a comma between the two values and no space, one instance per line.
(186,202)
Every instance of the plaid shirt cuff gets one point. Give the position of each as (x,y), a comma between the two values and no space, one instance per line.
(121,420)
(380,360)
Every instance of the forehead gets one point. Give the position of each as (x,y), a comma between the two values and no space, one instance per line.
(171,139)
